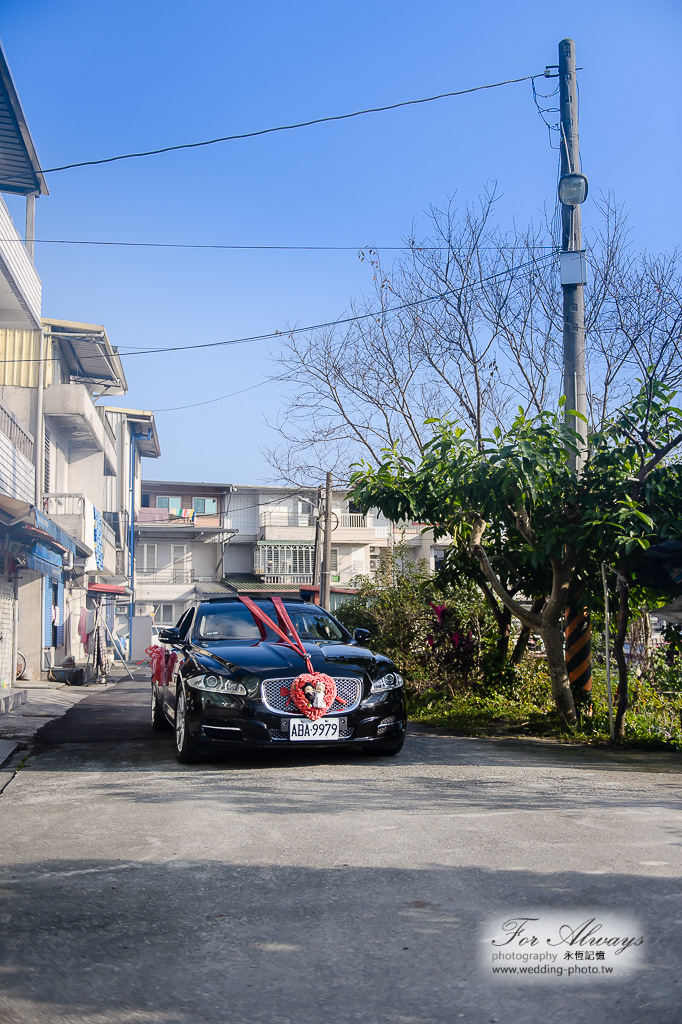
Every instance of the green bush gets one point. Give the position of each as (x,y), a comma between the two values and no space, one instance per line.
(439,638)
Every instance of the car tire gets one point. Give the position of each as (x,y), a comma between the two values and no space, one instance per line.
(159,721)
(185,750)
(386,751)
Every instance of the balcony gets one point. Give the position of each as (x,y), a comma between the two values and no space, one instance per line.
(167,517)
(168,575)
(72,409)
(348,527)
(75,514)
(20,287)
(120,524)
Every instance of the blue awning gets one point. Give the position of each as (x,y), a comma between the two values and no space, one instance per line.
(42,559)
(45,524)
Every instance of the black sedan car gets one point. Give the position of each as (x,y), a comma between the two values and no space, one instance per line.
(231,685)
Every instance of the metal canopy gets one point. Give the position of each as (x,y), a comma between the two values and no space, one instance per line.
(20,171)
(89,355)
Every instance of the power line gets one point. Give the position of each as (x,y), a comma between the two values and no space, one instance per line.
(284,248)
(374,314)
(284,127)
(211,401)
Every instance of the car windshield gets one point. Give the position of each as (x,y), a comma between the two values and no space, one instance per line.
(233,621)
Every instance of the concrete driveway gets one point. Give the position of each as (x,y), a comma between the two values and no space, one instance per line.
(329,889)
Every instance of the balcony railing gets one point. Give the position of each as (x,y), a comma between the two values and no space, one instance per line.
(288,578)
(64,504)
(286,519)
(170,576)
(73,504)
(186,517)
(353,521)
(346,520)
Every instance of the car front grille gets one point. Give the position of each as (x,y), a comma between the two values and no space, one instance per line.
(348,688)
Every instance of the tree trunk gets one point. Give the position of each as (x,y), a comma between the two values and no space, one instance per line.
(553,639)
(619,653)
(504,627)
(503,619)
(524,636)
(548,624)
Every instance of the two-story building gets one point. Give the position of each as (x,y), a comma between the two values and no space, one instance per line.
(70,464)
(87,467)
(259,538)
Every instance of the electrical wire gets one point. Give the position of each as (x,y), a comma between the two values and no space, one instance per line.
(276,248)
(284,127)
(374,314)
(211,401)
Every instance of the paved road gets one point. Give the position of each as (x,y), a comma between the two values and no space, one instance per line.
(332,889)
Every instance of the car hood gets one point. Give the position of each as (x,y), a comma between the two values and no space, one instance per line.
(266,657)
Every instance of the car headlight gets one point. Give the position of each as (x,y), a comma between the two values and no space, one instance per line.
(219,684)
(390,681)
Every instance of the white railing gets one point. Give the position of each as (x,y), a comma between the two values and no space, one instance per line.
(288,578)
(17,268)
(353,521)
(346,520)
(64,504)
(286,519)
(166,575)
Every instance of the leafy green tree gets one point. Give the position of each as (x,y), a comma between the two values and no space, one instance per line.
(525,514)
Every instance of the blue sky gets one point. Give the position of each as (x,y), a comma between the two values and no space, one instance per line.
(100,78)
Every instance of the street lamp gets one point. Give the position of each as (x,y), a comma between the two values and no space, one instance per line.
(572,189)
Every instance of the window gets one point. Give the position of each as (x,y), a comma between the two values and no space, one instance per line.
(180,563)
(283,559)
(174,505)
(358,563)
(145,501)
(232,621)
(147,558)
(163,614)
(335,560)
(205,506)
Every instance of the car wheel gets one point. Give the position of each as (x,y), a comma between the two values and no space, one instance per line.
(159,721)
(185,751)
(386,751)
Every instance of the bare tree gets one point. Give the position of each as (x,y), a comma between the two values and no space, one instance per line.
(468,325)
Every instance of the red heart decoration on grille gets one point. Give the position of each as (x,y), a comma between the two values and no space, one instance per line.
(301,701)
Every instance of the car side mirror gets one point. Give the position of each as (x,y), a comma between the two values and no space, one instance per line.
(170,635)
(361,636)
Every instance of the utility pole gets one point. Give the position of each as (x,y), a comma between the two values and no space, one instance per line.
(317,579)
(572,258)
(326,574)
(573,192)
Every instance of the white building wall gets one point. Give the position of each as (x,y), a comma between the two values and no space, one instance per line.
(17,474)
(204,560)
(20,274)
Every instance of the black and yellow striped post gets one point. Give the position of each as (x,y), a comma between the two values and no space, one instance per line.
(578,646)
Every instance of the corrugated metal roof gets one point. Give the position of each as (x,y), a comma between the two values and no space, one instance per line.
(19,165)
(245,583)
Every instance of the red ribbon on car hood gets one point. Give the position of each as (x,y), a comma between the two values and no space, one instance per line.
(263,621)
(321,683)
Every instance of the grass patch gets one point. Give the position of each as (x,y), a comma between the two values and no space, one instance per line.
(653,720)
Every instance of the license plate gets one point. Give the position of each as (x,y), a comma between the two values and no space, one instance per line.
(304,729)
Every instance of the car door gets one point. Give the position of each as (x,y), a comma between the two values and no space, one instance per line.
(184,625)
